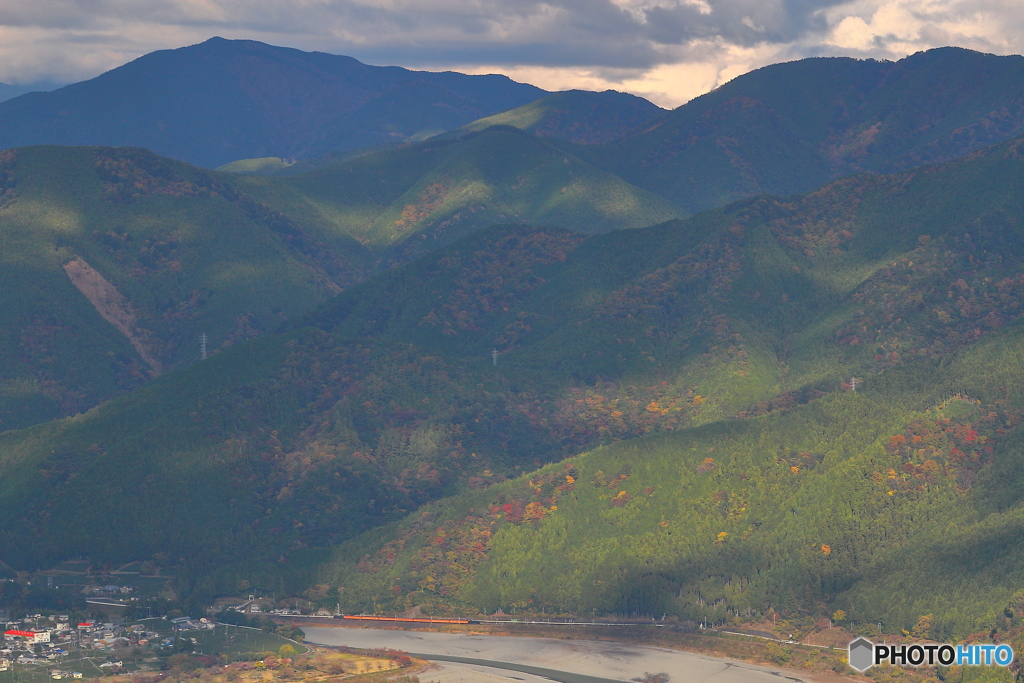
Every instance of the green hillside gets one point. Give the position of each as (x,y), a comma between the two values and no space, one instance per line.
(117,259)
(803,512)
(437,191)
(779,486)
(114,262)
(288,442)
(777,403)
(263,165)
(579,116)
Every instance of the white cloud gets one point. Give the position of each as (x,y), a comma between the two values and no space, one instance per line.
(893,28)
(667,50)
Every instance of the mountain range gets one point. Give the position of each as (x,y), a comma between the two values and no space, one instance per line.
(223,100)
(798,401)
(733,335)
(422,196)
(11,91)
(791,127)
(116,260)
(581,355)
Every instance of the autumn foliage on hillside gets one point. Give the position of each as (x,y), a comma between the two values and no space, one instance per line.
(955,448)
(8,160)
(485,283)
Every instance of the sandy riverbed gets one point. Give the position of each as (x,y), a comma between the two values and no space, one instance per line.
(592,658)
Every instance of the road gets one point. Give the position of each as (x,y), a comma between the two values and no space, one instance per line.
(591,661)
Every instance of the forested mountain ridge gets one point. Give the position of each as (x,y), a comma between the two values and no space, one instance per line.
(115,260)
(315,435)
(380,210)
(408,201)
(882,473)
(784,128)
(576,116)
(793,126)
(8,91)
(732,334)
(579,116)
(780,129)
(223,100)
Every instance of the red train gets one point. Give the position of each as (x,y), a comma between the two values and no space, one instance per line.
(422,620)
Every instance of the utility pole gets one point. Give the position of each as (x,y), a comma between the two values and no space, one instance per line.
(494,357)
(202,346)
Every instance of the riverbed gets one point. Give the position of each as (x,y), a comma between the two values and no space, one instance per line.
(487,659)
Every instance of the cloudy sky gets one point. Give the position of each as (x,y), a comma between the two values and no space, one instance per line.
(666,50)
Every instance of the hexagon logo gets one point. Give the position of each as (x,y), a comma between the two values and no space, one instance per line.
(862,654)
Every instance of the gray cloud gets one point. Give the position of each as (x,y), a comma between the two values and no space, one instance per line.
(741,22)
(558,32)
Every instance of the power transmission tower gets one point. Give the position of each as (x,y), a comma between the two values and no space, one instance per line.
(853,384)
(202,346)
(494,356)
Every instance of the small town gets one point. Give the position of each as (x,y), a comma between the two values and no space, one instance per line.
(126,626)
(53,641)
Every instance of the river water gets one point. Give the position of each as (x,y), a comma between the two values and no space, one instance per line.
(472,658)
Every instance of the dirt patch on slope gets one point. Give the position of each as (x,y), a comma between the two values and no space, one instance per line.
(114,308)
